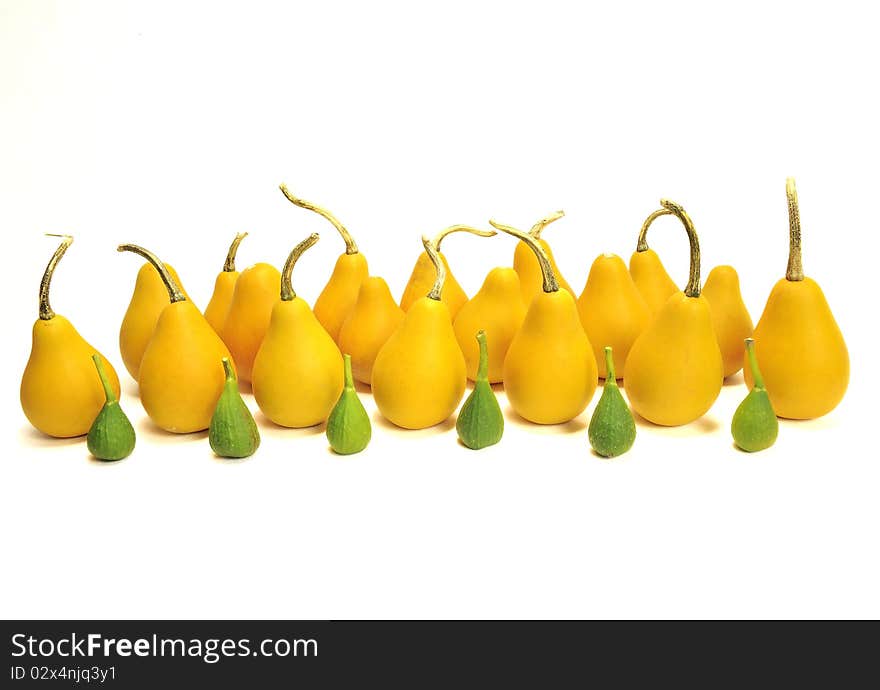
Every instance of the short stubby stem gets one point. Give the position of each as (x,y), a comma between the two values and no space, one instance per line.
(227,369)
(610,374)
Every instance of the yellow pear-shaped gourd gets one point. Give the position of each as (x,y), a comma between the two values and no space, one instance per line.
(60,394)
(550,370)
(730,318)
(419,375)
(423,275)
(647,271)
(298,372)
(369,325)
(674,370)
(247,319)
(528,268)
(612,310)
(179,380)
(799,346)
(498,310)
(224,286)
(148,300)
(340,294)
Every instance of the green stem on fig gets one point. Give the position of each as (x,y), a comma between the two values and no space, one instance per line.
(753,364)
(102,374)
(46,312)
(287,292)
(175,294)
(349,378)
(609,367)
(483,365)
(228,370)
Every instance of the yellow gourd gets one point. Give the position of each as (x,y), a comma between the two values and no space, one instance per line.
(250,310)
(612,311)
(419,375)
(224,286)
(730,318)
(423,275)
(369,325)
(298,371)
(60,394)
(647,271)
(674,370)
(550,371)
(799,346)
(496,309)
(179,378)
(340,294)
(529,268)
(147,301)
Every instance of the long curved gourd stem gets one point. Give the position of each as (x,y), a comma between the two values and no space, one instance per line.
(692,289)
(757,379)
(174,292)
(642,245)
(438,238)
(350,246)
(483,365)
(538,227)
(102,374)
(610,374)
(46,313)
(287,293)
(795,271)
(229,266)
(439,267)
(550,282)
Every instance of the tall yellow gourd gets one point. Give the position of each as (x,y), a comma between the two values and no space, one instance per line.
(340,294)
(180,378)
(647,271)
(528,268)
(550,371)
(800,349)
(224,286)
(730,318)
(60,393)
(298,371)
(674,370)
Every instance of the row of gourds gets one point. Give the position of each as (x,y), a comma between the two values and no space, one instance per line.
(548,347)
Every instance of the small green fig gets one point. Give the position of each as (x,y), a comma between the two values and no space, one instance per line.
(754,425)
(111,436)
(612,429)
(480,422)
(348,426)
(233,432)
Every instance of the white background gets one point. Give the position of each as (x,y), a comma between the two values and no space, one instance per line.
(171,125)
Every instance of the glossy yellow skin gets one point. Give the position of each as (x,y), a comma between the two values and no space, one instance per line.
(298,372)
(419,375)
(256,292)
(181,375)
(150,297)
(498,310)
(730,318)
(221,298)
(550,371)
(422,279)
(369,325)
(339,296)
(801,352)
(531,280)
(61,393)
(674,370)
(612,311)
(651,279)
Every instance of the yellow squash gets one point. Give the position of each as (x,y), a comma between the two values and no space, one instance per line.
(674,370)
(647,271)
(180,378)
(799,346)
(224,286)
(419,375)
(298,371)
(612,311)
(529,268)
(340,294)
(496,309)
(550,370)
(730,318)
(60,394)
(369,325)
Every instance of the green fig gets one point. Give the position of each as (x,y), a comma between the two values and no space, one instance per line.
(754,425)
(233,432)
(612,428)
(348,426)
(480,422)
(111,436)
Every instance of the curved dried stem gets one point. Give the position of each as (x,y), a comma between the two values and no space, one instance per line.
(175,294)
(551,284)
(692,289)
(229,266)
(795,270)
(438,238)
(439,267)
(642,245)
(287,293)
(538,227)
(46,312)
(350,246)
